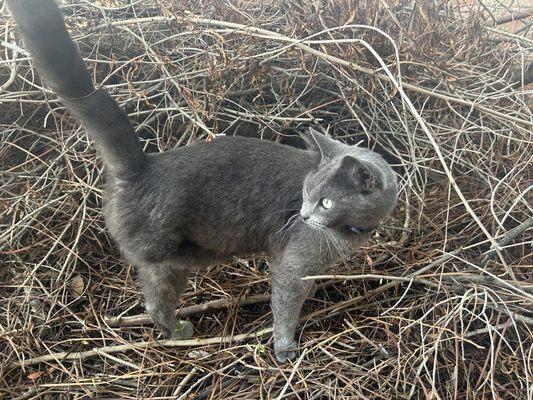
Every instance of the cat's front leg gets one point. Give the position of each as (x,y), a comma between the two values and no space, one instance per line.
(289,292)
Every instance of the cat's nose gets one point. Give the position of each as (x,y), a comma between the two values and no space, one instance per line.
(305,217)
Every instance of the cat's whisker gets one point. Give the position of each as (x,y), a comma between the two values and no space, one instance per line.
(322,232)
(335,244)
(289,224)
(296,218)
(325,236)
(338,245)
(328,243)
(335,248)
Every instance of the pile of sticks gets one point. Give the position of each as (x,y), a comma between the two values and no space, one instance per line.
(437,306)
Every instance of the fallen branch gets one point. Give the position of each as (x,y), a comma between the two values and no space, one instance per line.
(506,239)
(455,277)
(81,355)
(514,16)
(188,311)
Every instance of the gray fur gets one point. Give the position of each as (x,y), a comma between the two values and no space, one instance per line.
(202,204)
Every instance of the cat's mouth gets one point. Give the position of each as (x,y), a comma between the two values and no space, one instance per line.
(353,229)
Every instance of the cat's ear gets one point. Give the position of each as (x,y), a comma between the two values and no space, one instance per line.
(321,143)
(362,175)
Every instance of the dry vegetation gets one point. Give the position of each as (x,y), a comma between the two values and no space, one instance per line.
(438,306)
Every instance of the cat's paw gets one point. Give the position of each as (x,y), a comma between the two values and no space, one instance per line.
(285,355)
(286,351)
(184,330)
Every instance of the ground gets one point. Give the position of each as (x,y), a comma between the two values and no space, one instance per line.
(437,306)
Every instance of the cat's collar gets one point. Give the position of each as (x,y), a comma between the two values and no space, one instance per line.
(357,230)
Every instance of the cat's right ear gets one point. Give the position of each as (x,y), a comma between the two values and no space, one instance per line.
(321,143)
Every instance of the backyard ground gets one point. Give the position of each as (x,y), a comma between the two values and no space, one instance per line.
(439,305)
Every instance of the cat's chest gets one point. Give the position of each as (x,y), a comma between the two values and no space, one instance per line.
(323,246)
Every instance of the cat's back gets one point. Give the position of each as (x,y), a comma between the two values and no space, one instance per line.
(232,151)
(230,169)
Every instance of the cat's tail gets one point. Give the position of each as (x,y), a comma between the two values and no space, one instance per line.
(58,61)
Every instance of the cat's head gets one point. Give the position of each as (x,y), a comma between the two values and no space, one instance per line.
(352,189)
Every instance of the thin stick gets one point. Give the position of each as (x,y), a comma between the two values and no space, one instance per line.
(81,355)
(514,16)
(191,310)
(293,372)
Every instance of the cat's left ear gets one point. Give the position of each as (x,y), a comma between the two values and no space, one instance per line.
(317,141)
(362,175)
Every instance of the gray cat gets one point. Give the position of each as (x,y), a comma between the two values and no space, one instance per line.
(202,204)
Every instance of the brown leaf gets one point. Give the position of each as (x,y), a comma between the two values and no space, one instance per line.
(77,285)
(35,375)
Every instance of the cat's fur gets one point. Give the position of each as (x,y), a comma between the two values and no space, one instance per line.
(201,204)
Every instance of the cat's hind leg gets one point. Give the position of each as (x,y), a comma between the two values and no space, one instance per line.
(162,286)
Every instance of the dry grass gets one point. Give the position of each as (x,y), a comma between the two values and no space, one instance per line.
(430,308)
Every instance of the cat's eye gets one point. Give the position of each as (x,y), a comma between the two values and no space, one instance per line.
(327,203)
